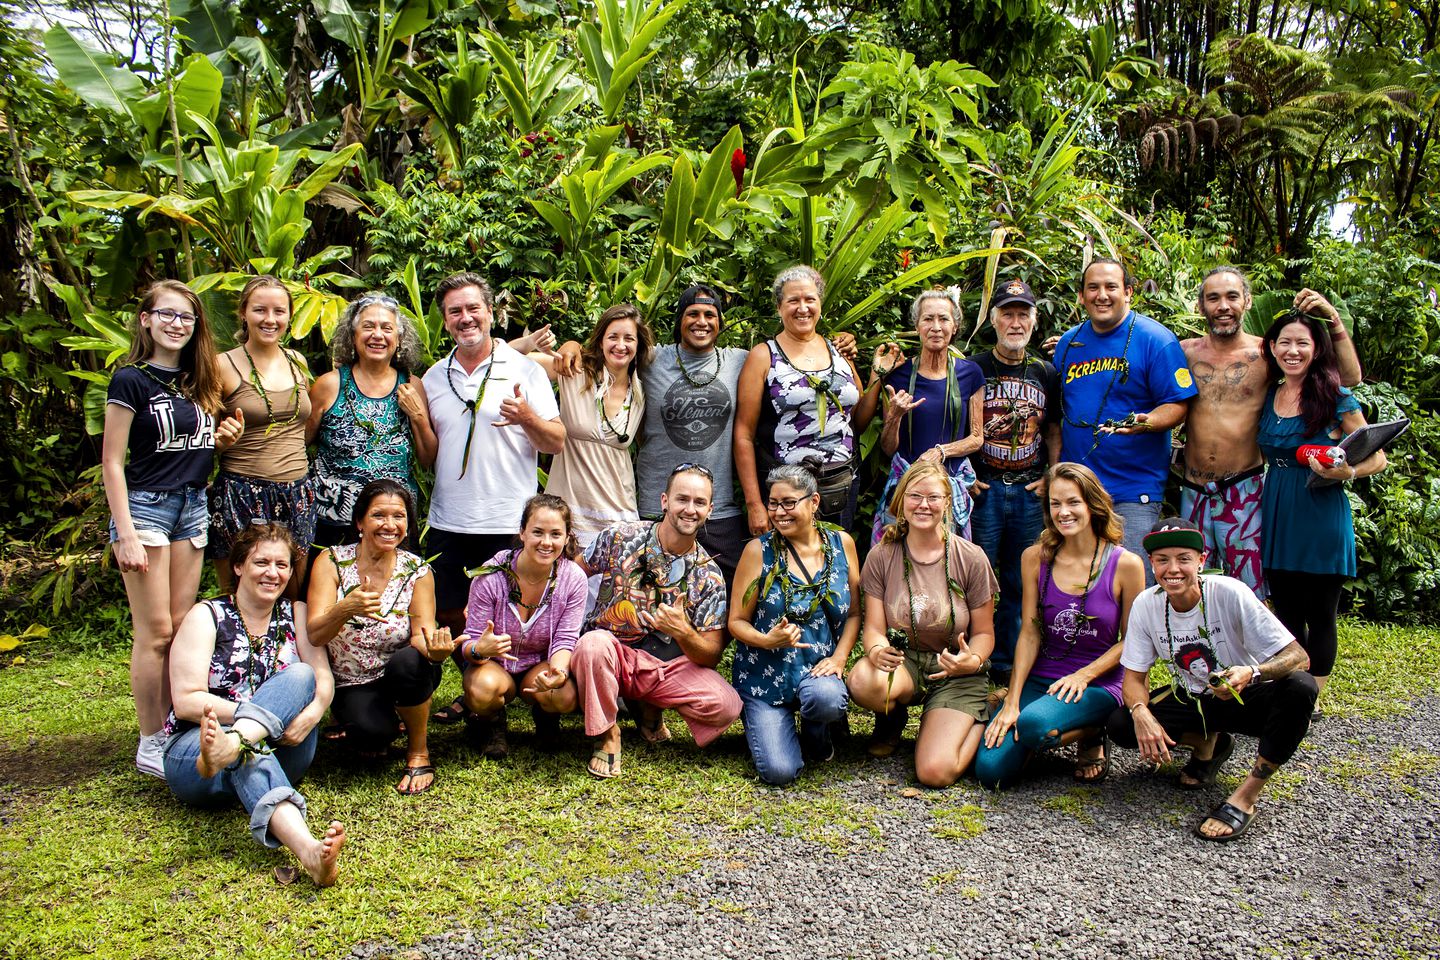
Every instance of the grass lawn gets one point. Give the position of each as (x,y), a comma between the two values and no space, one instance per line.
(98,860)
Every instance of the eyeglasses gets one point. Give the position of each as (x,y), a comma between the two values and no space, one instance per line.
(929,500)
(688,467)
(174,317)
(382,300)
(788,505)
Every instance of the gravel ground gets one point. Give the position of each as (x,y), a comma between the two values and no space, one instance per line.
(1342,860)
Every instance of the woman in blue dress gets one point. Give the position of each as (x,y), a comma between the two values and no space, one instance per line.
(1307,537)
(794,617)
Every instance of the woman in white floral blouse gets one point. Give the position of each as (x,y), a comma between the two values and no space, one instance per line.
(373,605)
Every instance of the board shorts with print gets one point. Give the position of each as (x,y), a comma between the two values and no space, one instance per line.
(1228,515)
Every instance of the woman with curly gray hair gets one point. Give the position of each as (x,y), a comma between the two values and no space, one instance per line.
(369,419)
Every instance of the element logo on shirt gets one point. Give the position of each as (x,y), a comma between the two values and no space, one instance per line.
(695,417)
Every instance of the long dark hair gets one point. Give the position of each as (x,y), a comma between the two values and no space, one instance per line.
(593,356)
(1321,388)
(199,378)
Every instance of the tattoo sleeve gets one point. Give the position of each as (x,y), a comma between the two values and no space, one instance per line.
(1263,769)
(1284,663)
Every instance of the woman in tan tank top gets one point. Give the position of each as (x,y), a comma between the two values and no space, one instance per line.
(264,477)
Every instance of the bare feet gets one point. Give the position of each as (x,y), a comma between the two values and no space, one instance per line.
(322,861)
(218,747)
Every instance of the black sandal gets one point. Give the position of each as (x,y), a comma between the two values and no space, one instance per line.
(451,714)
(1204,772)
(1103,761)
(1232,816)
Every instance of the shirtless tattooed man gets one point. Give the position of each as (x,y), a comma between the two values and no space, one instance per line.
(1222,479)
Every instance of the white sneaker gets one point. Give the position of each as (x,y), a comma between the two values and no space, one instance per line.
(150,757)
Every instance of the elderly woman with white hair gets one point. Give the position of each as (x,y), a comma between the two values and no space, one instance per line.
(794,405)
(933,404)
(369,419)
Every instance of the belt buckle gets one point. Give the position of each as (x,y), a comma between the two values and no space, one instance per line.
(1010,478)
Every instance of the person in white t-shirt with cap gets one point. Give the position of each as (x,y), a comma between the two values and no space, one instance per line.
(1236,669)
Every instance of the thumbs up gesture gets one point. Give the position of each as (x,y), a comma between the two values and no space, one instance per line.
(514,411)
(229,430)
(364,600)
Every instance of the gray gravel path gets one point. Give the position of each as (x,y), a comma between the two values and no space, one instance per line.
(1341,861)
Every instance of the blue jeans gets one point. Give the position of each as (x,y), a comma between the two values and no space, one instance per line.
(261,782)
(1005,520)
(770,730)
(1040,714)
(1139,518)
(163,517)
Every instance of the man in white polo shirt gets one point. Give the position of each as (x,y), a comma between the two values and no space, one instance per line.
(494,412)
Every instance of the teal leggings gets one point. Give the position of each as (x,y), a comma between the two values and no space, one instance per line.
(1040,714)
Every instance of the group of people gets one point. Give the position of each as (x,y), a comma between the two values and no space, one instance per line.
(697,494)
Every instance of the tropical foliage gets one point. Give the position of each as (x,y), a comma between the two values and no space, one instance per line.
(580,154)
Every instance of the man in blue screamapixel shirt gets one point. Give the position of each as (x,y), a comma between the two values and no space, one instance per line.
(1124,384)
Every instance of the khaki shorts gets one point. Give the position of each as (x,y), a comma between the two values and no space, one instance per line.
(966,694)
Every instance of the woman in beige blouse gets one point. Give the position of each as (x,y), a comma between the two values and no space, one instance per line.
(602,411)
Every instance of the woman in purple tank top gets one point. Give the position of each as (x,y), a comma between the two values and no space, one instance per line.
(1079,583)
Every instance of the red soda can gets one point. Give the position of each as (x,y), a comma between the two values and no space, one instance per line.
(1326,455)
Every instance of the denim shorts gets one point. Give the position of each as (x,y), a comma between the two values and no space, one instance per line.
(163,517)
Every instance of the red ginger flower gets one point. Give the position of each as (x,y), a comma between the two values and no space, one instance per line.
(737,168)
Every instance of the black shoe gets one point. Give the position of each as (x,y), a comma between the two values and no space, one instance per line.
(889,730)
(487,734)
(547,725)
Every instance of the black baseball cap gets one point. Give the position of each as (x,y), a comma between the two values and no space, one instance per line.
(1014,291)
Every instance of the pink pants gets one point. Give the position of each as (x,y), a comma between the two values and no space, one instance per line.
(606,670)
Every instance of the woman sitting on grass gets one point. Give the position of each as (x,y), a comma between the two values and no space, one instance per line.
(1079,583)
(249,692)
(373,604)
(795,613)
(525,612)
(929,630)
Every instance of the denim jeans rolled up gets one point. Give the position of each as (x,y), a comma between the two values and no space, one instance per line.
(1138,519)
(770,732)
(261,782)
(1005,520)
(1043,720)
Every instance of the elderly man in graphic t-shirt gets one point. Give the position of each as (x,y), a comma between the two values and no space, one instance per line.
(656,630)
(1021,431)
(1124,384)
(494,413)
(1236,670)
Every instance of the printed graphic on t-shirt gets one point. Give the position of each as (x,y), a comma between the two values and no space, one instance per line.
(170,438)
(695,417)
(1014,410)
(1071,624)
(1196,660)
(1116,366)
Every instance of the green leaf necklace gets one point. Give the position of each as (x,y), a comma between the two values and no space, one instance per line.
(992,389)
(471,405)
(259,385)
(954,407)
(820,381)
(365,423)
(952,588)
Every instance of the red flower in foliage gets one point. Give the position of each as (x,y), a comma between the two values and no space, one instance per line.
(905,259)
(737,168)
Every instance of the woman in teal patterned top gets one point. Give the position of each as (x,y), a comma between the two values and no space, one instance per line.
(794,612)
(369,419)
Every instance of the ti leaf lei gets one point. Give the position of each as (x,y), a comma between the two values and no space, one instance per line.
(1204,632)
(471,405)
(954,407)
(259,385)
(648,577)
(408,572)
(779,572)
(1120,375)
(509,569)
(953,588)
(1047,577)
(366,424)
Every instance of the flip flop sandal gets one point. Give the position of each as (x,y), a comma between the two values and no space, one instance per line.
(612,765)
(1204,772)
(412,773)
(451,714)
(1102,761)
(1232,816)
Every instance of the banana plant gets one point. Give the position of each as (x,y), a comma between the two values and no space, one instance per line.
(452,101)
(538,87)
(617,48)
(598,175)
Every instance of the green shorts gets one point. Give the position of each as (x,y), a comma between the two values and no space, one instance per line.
(966,694)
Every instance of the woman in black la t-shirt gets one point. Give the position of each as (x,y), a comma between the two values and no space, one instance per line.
(160,409)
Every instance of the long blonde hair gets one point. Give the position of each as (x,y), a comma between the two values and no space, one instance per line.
(924,470)
(1104,521)
(199,378)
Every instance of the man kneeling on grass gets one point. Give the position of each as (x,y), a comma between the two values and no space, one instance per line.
(1236,669)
